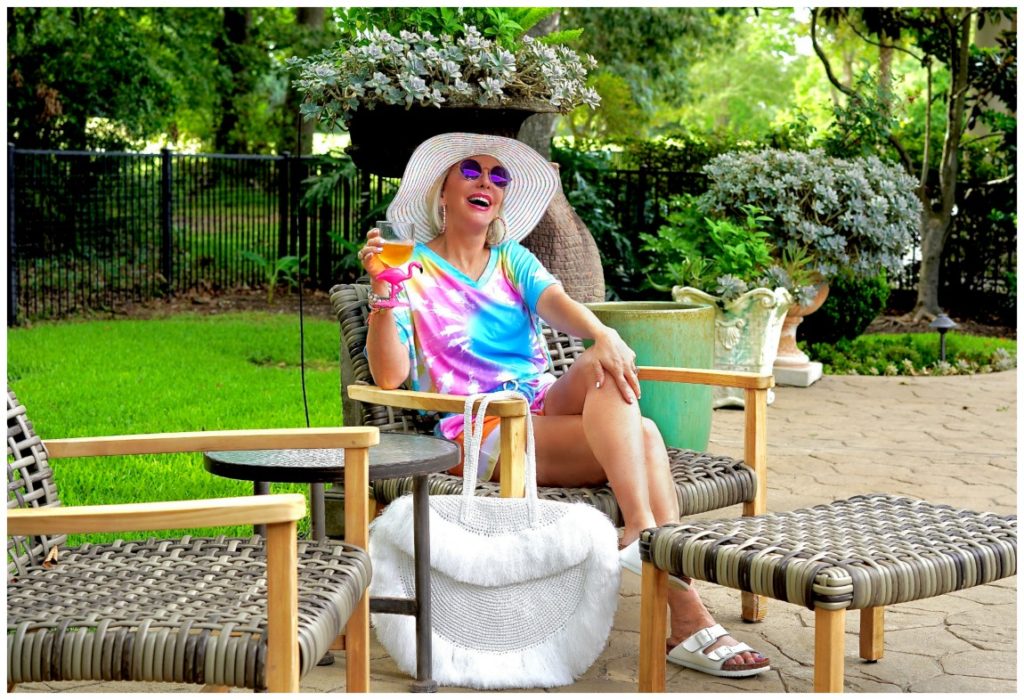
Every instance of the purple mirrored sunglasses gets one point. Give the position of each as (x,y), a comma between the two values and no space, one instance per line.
(498,175)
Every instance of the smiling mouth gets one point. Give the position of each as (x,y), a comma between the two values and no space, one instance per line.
(479,200)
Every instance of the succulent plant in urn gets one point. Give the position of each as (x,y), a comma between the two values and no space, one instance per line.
(464,82)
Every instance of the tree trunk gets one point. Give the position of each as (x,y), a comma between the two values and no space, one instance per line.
(936,222)
(230,48)
(297,133)
(933,229)
(538,130)
(885,54)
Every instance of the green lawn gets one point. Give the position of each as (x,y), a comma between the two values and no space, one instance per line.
(168,375)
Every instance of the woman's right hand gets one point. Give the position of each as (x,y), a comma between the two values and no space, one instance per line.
(369,253)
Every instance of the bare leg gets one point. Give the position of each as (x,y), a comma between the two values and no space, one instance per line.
(583,421)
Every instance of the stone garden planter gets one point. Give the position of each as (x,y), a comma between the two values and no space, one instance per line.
(669,334)
(747,332)
(384,137)
(792,366)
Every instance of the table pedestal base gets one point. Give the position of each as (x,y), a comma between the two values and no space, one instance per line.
(420,606)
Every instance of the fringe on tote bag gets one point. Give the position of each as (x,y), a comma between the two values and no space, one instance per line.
(523,590)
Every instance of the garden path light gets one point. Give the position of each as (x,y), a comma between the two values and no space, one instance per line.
(942,324)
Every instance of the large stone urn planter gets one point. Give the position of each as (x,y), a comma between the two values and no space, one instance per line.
(564,244)
(792,366)
(383,138)
(747,331)
(669,334)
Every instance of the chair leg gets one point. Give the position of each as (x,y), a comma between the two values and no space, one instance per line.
(374,509)
(755,607)
(653,628)
(282,608)
(357,532)
(755,454)
(829,627)
(872,632)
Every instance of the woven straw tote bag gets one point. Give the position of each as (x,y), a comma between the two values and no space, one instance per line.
(523,590)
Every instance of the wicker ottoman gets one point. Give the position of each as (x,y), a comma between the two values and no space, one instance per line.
(858,554)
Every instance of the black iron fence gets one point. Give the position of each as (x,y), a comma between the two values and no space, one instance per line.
(89,230)
(640,196)
(979,261)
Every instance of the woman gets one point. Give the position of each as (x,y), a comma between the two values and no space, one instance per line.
(469,325)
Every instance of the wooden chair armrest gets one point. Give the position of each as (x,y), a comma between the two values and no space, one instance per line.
(282,439)
(430,401)
(513,412)
(755,429)
(710,377)
(211,512)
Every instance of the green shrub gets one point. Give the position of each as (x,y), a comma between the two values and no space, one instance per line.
(851,305)
(913,354)
(583,181)
(721,255)
(856,213)
(681,151)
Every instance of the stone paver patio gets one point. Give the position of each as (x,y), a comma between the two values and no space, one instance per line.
(945,439)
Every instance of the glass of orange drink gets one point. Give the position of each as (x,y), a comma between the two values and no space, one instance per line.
(398,242)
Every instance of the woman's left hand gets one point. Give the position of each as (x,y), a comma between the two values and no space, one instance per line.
(615,360)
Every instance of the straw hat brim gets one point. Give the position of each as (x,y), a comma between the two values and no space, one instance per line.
(534,181)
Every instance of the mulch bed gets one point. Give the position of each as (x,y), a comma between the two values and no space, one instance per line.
(317,304)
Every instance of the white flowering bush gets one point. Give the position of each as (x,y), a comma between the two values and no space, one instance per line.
(856,213)
(420,68)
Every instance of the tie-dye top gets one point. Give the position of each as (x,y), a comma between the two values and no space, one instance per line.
(470,336)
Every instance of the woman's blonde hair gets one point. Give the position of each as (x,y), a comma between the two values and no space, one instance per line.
(496,232)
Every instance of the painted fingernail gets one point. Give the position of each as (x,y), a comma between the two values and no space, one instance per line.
(597,385)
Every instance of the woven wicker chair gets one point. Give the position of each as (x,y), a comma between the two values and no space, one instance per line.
(704,482)
(216,611)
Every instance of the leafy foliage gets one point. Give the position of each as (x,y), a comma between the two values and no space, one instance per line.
(943,41)
(727,256)
(70,65)
(651,47)
(275,270)
(582,175)
(753,85)
(852,304)
(504,25)
(116,78)
(685,150)
(857,213)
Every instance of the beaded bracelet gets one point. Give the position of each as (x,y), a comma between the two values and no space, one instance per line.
(374,299)
(377,302)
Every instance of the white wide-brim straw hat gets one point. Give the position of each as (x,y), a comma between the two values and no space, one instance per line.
(534,180)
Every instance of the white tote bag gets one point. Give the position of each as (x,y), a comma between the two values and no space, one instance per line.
(523,590)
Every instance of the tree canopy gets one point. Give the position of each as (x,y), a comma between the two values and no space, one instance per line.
(644,54)
(111,78)
(965,83)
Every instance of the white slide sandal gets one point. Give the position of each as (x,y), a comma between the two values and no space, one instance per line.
(690,654)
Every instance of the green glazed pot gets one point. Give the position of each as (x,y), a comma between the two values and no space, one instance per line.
(669,334)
